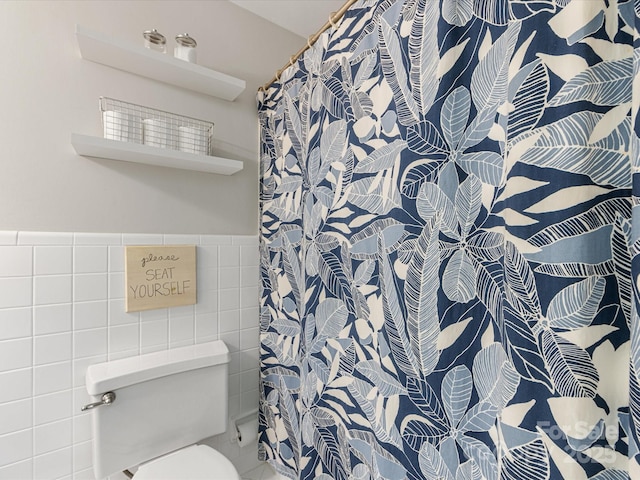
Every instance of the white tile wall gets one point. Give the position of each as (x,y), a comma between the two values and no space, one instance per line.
(62,309)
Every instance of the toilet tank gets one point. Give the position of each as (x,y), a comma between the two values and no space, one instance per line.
(164,401)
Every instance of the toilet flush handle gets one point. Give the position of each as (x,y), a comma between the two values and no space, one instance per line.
(107,399)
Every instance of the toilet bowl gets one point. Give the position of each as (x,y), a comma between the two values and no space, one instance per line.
(151,411)
(196,462)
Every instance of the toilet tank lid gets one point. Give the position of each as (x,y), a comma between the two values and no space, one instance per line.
(103,377)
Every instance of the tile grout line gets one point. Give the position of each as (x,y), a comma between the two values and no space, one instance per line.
(73,352)
(33,358)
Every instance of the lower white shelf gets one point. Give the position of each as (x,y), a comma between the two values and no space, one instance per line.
(89,146)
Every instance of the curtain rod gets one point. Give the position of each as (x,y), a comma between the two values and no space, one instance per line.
(333,19)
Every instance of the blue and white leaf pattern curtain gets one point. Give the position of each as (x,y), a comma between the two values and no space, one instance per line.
(449,245)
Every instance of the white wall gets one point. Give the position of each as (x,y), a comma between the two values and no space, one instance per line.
(62,309)
(47,92)
(61,292)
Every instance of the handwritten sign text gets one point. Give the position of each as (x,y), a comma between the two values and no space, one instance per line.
(160,276)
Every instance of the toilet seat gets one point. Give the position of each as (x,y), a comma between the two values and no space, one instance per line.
(192,463)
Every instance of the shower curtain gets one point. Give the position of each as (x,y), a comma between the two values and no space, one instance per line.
(449,245)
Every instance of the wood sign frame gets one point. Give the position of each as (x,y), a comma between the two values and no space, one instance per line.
(159,276)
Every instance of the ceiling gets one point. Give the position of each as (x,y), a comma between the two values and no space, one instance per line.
(302,17)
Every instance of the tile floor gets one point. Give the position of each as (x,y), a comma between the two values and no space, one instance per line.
(263,472)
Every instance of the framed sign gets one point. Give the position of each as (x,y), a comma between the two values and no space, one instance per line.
(159,276)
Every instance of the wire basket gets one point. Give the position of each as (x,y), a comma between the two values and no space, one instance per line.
(129,122)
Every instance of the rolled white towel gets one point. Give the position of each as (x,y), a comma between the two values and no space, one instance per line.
(193,140)
(159,133)
(121,126)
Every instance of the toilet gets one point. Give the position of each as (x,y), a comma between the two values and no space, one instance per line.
(151,411)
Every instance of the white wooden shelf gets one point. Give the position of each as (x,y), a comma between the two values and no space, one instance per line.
(90,146)
(103,49)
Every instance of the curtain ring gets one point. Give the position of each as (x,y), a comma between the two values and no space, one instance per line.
(309,41)
(331,21)
(292,60)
